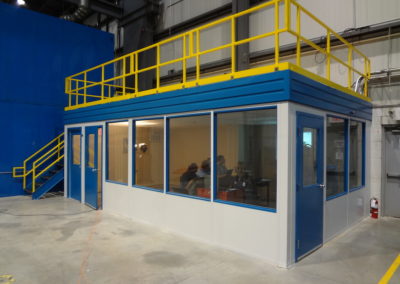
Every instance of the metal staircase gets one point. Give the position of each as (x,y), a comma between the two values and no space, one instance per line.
(44,169)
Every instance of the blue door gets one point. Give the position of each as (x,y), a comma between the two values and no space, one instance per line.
(74,163)
(309,183)
(93,166)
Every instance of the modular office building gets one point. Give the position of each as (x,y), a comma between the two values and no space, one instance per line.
(269,160)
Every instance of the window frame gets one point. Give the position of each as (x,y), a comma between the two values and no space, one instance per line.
(168,155)
(215,154)
(346,156)
(363,155)
(133,170)
(107,153)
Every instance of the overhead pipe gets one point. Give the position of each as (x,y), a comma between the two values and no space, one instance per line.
(359,83)
(80,13)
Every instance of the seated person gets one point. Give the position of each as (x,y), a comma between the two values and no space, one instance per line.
(205,168)
(202,179)
(189,175)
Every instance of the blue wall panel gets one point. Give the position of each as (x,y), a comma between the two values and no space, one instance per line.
(251,90)
(309,92)
(266,88)
(37,52)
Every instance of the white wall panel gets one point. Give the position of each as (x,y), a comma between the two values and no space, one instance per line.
(369,12)
(335,217)
(185,10)
(337,14)
(253,232)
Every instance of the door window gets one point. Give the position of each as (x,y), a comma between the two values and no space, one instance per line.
(76,149)
(309,156)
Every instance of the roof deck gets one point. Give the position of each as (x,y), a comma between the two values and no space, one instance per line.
(125,77)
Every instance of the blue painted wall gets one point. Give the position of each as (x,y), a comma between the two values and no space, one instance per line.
(267,88)
(36,53)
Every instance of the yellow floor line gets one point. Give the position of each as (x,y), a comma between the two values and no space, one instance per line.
(388,275)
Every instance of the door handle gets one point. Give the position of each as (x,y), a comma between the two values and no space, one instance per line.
(94,170)
(322,186)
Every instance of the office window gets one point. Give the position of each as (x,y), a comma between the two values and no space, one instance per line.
(117,152)
(76,149)
(246,157)
(149,153)
(356,154)
(190,152)
(335,156)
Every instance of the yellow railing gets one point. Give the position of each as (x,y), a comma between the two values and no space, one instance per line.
(99,84)
(39,162)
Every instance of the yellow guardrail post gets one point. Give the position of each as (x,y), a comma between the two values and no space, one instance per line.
(123,73)
(233,45)
(328,54)
(136,73)
(298,31)
(276,33)
(197,56)
(158,60)
(288,16)
(184,47)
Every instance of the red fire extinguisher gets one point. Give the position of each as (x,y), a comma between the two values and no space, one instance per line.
(374,208)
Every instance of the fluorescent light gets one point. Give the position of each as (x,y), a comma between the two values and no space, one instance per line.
(122,123)
(145,123)
(21,2)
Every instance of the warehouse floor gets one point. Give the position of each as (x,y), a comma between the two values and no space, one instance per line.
(58,240)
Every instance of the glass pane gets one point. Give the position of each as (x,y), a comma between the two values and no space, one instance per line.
(76,149)
(355,162)
(309,156)
(246,157)
(190,152)
(335,153)
(117,149)
(149,146)
(90,162)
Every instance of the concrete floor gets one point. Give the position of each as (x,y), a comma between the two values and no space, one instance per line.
(58,240)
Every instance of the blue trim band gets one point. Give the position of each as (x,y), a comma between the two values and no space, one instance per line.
(147,188)
(188,196)
(336,195)
(357,188)
(261,89)
(190,114)
(244,205)
(245,109)
(116,182)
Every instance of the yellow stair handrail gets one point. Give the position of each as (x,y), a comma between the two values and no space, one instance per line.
(39,158)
